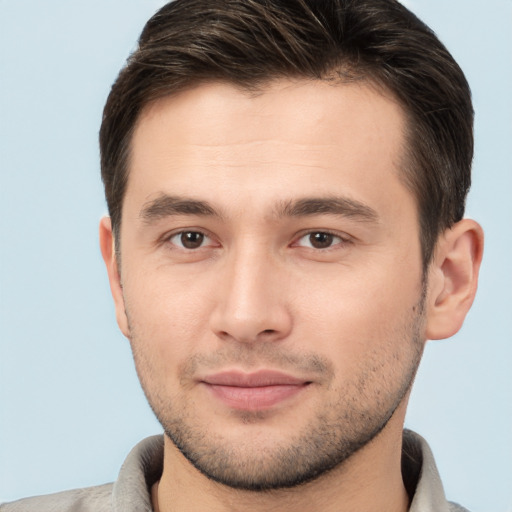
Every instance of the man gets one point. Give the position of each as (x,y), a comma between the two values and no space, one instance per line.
(286,184)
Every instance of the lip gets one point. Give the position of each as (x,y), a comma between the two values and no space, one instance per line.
(254,391)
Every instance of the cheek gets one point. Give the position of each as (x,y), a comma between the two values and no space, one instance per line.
(167,317)
(356,317)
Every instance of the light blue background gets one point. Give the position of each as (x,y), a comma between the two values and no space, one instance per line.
(71,407)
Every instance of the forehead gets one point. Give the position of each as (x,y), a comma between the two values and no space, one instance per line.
(216,138)
(293,110)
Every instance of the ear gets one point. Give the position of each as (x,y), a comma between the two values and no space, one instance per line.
(453,278)
(108,251)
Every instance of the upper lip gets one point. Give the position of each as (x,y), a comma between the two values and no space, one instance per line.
(259,378)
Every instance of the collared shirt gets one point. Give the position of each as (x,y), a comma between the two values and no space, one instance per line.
(143,467)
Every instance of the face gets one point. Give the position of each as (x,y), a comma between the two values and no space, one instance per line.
(271,282)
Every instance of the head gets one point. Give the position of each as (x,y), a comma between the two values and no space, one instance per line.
(285,182)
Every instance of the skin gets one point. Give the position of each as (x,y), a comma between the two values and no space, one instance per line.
(253,289)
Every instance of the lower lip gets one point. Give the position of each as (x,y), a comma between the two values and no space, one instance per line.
(255,398)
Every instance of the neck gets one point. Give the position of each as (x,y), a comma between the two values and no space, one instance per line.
(369,481)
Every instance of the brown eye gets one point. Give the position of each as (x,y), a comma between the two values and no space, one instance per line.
(321,240)
(191,239)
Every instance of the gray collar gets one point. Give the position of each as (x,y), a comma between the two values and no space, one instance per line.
(143,467)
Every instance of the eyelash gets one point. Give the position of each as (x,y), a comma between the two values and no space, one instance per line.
(343,239)
(202,233)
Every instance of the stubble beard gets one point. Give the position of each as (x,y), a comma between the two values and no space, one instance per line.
(343,426)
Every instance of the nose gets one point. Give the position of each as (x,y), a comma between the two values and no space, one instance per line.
(251,299)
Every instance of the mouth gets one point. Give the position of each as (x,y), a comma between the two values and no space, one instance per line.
(254,391)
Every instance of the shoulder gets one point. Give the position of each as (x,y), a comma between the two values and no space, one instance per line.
(454,507)
(141,468)
(89,499)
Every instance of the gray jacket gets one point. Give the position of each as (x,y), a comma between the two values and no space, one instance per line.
(143,466)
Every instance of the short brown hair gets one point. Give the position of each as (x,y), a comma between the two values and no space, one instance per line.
(249,42)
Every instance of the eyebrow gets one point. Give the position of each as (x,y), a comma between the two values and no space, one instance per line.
(340,206)
(166,206)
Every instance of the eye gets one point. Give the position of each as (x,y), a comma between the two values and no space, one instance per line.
(320,240)
(189,239)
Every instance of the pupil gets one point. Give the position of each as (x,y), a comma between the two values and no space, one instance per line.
(192,239)
(321,240)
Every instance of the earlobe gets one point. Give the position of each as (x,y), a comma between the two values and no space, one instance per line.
(107,246)
(453,278)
